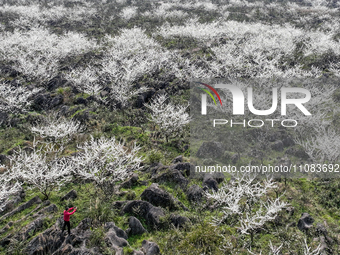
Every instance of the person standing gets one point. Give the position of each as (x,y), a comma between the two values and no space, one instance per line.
(67,215)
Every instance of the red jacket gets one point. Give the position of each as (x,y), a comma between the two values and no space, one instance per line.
(67,214)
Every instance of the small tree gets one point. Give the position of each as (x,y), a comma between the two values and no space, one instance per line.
(57,128)
(41,168)
(242,198)
(7,190)
(170,118)
(15,99)
(105,162)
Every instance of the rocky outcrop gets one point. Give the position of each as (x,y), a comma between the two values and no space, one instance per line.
(135,227)
(210,182)
(178,220)
(185,168)
(172,176)
(305,222)
(132,181)
(195,193)
(70,195)
(51,241)
(150,248)
(145,210)
(158,197)
(28,204)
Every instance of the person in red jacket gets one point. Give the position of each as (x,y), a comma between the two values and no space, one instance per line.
(67,215)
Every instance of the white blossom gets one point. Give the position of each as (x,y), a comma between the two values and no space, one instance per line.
(41,168)
(170,118)
(105,160)
(16,98)
(58,128)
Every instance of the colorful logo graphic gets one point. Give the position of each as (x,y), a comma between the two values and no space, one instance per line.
(213,90)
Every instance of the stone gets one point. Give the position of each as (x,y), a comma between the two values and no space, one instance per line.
(178,220)
(321,229)
(135,227)
(195,193)
(70,195)
(210,150)
(277,146)
(178,159)
(184,168)
(35,200)
(210,182)
(145,210)
(150,248)
(132,181)
(173,176)
(305,222)
(158,197)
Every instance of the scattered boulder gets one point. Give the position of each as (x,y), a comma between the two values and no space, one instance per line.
(158,197)
(321,229)
(178,159)
(178,220)
(30,229)
(210,182)
(234,158)
(80,100)
(130,182)
(146,210)
(57,100)
(35,200)
(42,102)
(56,82)
(52,242)
(150,248)
(70,195)
(195,193)
(112,239)
(305,222)
(135,227)
(288,141)
(138,253)
(171,175)
(210,150)
(277,146)
(184,168)
(290,210)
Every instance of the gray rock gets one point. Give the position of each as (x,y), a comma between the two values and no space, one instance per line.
(158,197)
(277,146)
(185,168)
(135,227)
(235,158)
(210,150)
(150,248)
(195,193)
(210,182)
(30,229)
(173,176)
(321,229)
(290,210)
(35,200)
(305,222)
(70,195)
(113,240)
(178,159)
(138,253)
(178,220)
(132,181)
(146,210)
